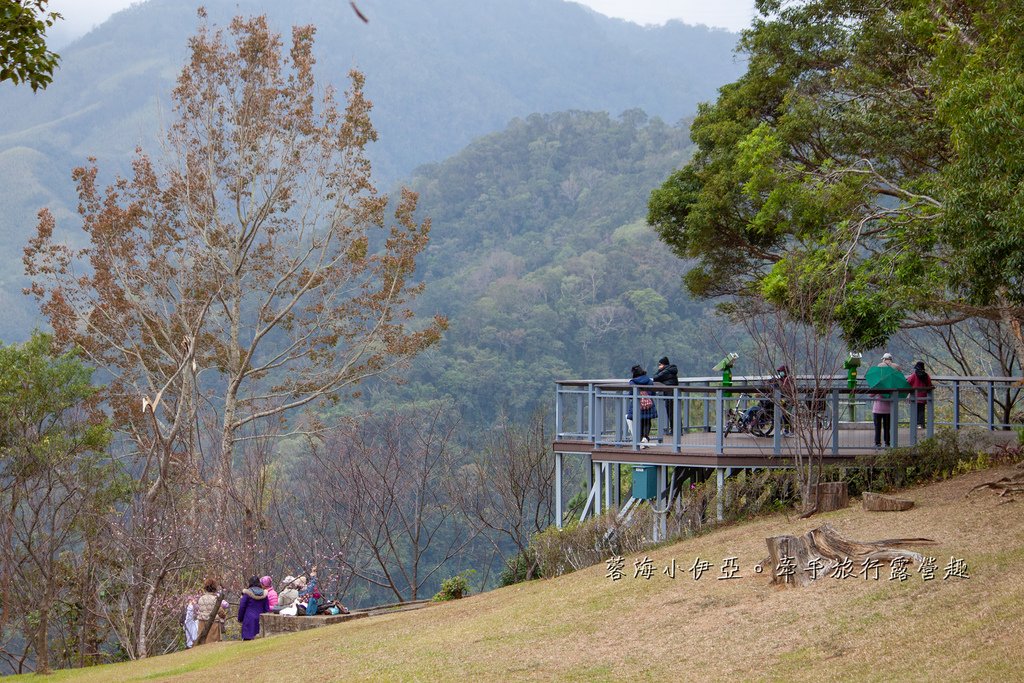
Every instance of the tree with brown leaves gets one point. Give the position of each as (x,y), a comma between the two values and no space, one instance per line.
(251,273)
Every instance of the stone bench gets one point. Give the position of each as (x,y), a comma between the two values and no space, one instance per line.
(273,624)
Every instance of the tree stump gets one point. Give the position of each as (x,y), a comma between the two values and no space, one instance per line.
(800,560)
(876,502)
(831,495)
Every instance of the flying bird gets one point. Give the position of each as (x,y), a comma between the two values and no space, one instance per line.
(358,13)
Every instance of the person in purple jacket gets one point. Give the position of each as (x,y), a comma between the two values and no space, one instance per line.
(253,603)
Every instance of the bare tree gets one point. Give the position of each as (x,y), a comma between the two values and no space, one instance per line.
(793,325)
(251,272)
(383,476)
(972,347)
(507,491)
(254,269)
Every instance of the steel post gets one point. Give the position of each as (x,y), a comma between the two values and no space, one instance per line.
(720,474)
(558,490)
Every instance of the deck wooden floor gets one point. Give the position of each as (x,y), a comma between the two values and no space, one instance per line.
(697,449)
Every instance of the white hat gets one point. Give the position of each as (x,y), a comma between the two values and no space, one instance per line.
(288,580)
(886,356)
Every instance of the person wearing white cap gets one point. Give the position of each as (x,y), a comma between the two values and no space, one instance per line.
(289,593)
(888,361)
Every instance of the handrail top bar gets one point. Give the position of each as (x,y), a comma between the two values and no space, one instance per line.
(665,390)
(739,382)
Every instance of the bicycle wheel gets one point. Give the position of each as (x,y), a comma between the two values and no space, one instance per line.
(762,424)
(730,424)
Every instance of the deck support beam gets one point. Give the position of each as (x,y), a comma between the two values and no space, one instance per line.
(720,511)
(558,490)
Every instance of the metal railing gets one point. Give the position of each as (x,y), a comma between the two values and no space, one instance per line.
(824,413)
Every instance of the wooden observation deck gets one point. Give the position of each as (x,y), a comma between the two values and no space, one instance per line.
(827,418)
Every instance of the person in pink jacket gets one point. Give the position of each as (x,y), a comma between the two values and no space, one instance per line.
(881,411)
(920,380)
(268,586)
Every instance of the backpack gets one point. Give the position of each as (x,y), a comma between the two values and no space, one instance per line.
(646,403)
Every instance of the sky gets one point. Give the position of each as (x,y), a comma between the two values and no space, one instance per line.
(81,15)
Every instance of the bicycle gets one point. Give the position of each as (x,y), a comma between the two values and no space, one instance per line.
(816,413)
(758,420)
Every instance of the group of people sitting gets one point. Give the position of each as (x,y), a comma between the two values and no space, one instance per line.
(299,596)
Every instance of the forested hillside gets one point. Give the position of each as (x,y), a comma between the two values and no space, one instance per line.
(439,74)
(540,257)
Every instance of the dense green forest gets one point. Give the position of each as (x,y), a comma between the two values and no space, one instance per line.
(540,258)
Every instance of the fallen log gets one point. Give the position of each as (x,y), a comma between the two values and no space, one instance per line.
(1005,485)
(876,502)
(822,552)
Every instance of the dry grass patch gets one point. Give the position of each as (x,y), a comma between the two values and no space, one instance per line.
(583,626)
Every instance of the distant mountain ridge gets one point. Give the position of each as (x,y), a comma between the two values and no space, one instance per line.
(541,258)
(440,74)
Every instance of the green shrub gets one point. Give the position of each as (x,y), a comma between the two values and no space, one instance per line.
(454,587)
(947,454)
(517,568)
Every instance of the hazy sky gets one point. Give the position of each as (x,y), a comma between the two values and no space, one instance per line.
(82,15)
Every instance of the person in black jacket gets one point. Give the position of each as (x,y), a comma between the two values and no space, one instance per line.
(667,374)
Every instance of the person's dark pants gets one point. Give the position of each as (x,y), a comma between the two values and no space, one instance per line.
(665,415)
(920,414)
(645,428)
(883,428)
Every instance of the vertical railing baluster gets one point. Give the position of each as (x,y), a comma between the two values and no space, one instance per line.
(558,411)
(894,417)
(991,405)
(956,404)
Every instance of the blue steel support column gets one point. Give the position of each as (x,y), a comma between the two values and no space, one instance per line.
(659,529)
(618,486)
(590,476)
(558,490)
(607,484)
(719,421)
(720,478)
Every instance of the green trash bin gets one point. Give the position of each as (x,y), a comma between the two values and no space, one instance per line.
(645,481)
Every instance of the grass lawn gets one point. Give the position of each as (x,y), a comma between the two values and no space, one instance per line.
(586,627)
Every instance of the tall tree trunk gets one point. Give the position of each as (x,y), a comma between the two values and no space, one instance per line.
(42,639)
(142,637)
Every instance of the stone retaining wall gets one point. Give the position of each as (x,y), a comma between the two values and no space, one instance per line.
(273,624)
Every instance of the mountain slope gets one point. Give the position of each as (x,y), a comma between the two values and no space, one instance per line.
(540,256)
(440,74)
(584,626)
